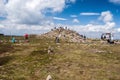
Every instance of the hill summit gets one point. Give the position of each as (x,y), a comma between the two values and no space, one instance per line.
(64,34)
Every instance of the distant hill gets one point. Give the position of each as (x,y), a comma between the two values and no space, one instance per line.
(64,34)
(1,34)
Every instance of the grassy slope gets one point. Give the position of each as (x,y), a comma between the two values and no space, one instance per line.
(30,61)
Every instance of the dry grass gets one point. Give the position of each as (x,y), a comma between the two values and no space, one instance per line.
(78,61)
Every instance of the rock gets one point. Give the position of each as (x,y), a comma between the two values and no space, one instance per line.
(64,35)
(49,77)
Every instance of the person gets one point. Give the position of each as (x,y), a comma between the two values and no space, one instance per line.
(13,39)
(84,37)
(26,38)
(57,39)
(102,37)
(111,39)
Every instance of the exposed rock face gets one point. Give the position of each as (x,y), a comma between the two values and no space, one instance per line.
(64,34)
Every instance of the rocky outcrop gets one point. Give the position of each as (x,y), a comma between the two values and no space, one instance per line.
(64,34)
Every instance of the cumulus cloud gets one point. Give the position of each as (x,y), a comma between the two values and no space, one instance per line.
(108,26)
(93,28)
(31,11)
(23,14)
(2,9)
(1,26)
(20,29)
(59,18)
(118,29)
(106,16)
(115,1)
(89,14)
(76,21)
(5,1)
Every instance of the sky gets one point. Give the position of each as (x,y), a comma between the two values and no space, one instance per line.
(87,17)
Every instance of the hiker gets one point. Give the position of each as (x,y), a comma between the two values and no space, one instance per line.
(13,39)
(66,28)
(84,37)
(26,38)
(111,39)
(57,40)
(55,28)
(102,37)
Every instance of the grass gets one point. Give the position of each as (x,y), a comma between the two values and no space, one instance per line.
(78,61)
(6,47)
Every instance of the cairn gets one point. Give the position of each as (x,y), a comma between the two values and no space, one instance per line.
(61,34)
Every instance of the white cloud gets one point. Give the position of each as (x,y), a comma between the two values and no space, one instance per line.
(5,1)
(106,16)
(20,29)
(1,26)
(73,16)
(115,1)
(93,28)
(76,21)
(118,29)
(24,14)
(89,13)
(2,9)
(32,12)
(110,25)
(58,18)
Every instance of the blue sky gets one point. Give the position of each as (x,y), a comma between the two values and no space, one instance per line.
(96,6)
(39,16)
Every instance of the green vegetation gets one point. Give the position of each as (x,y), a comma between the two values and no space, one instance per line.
(78,61)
